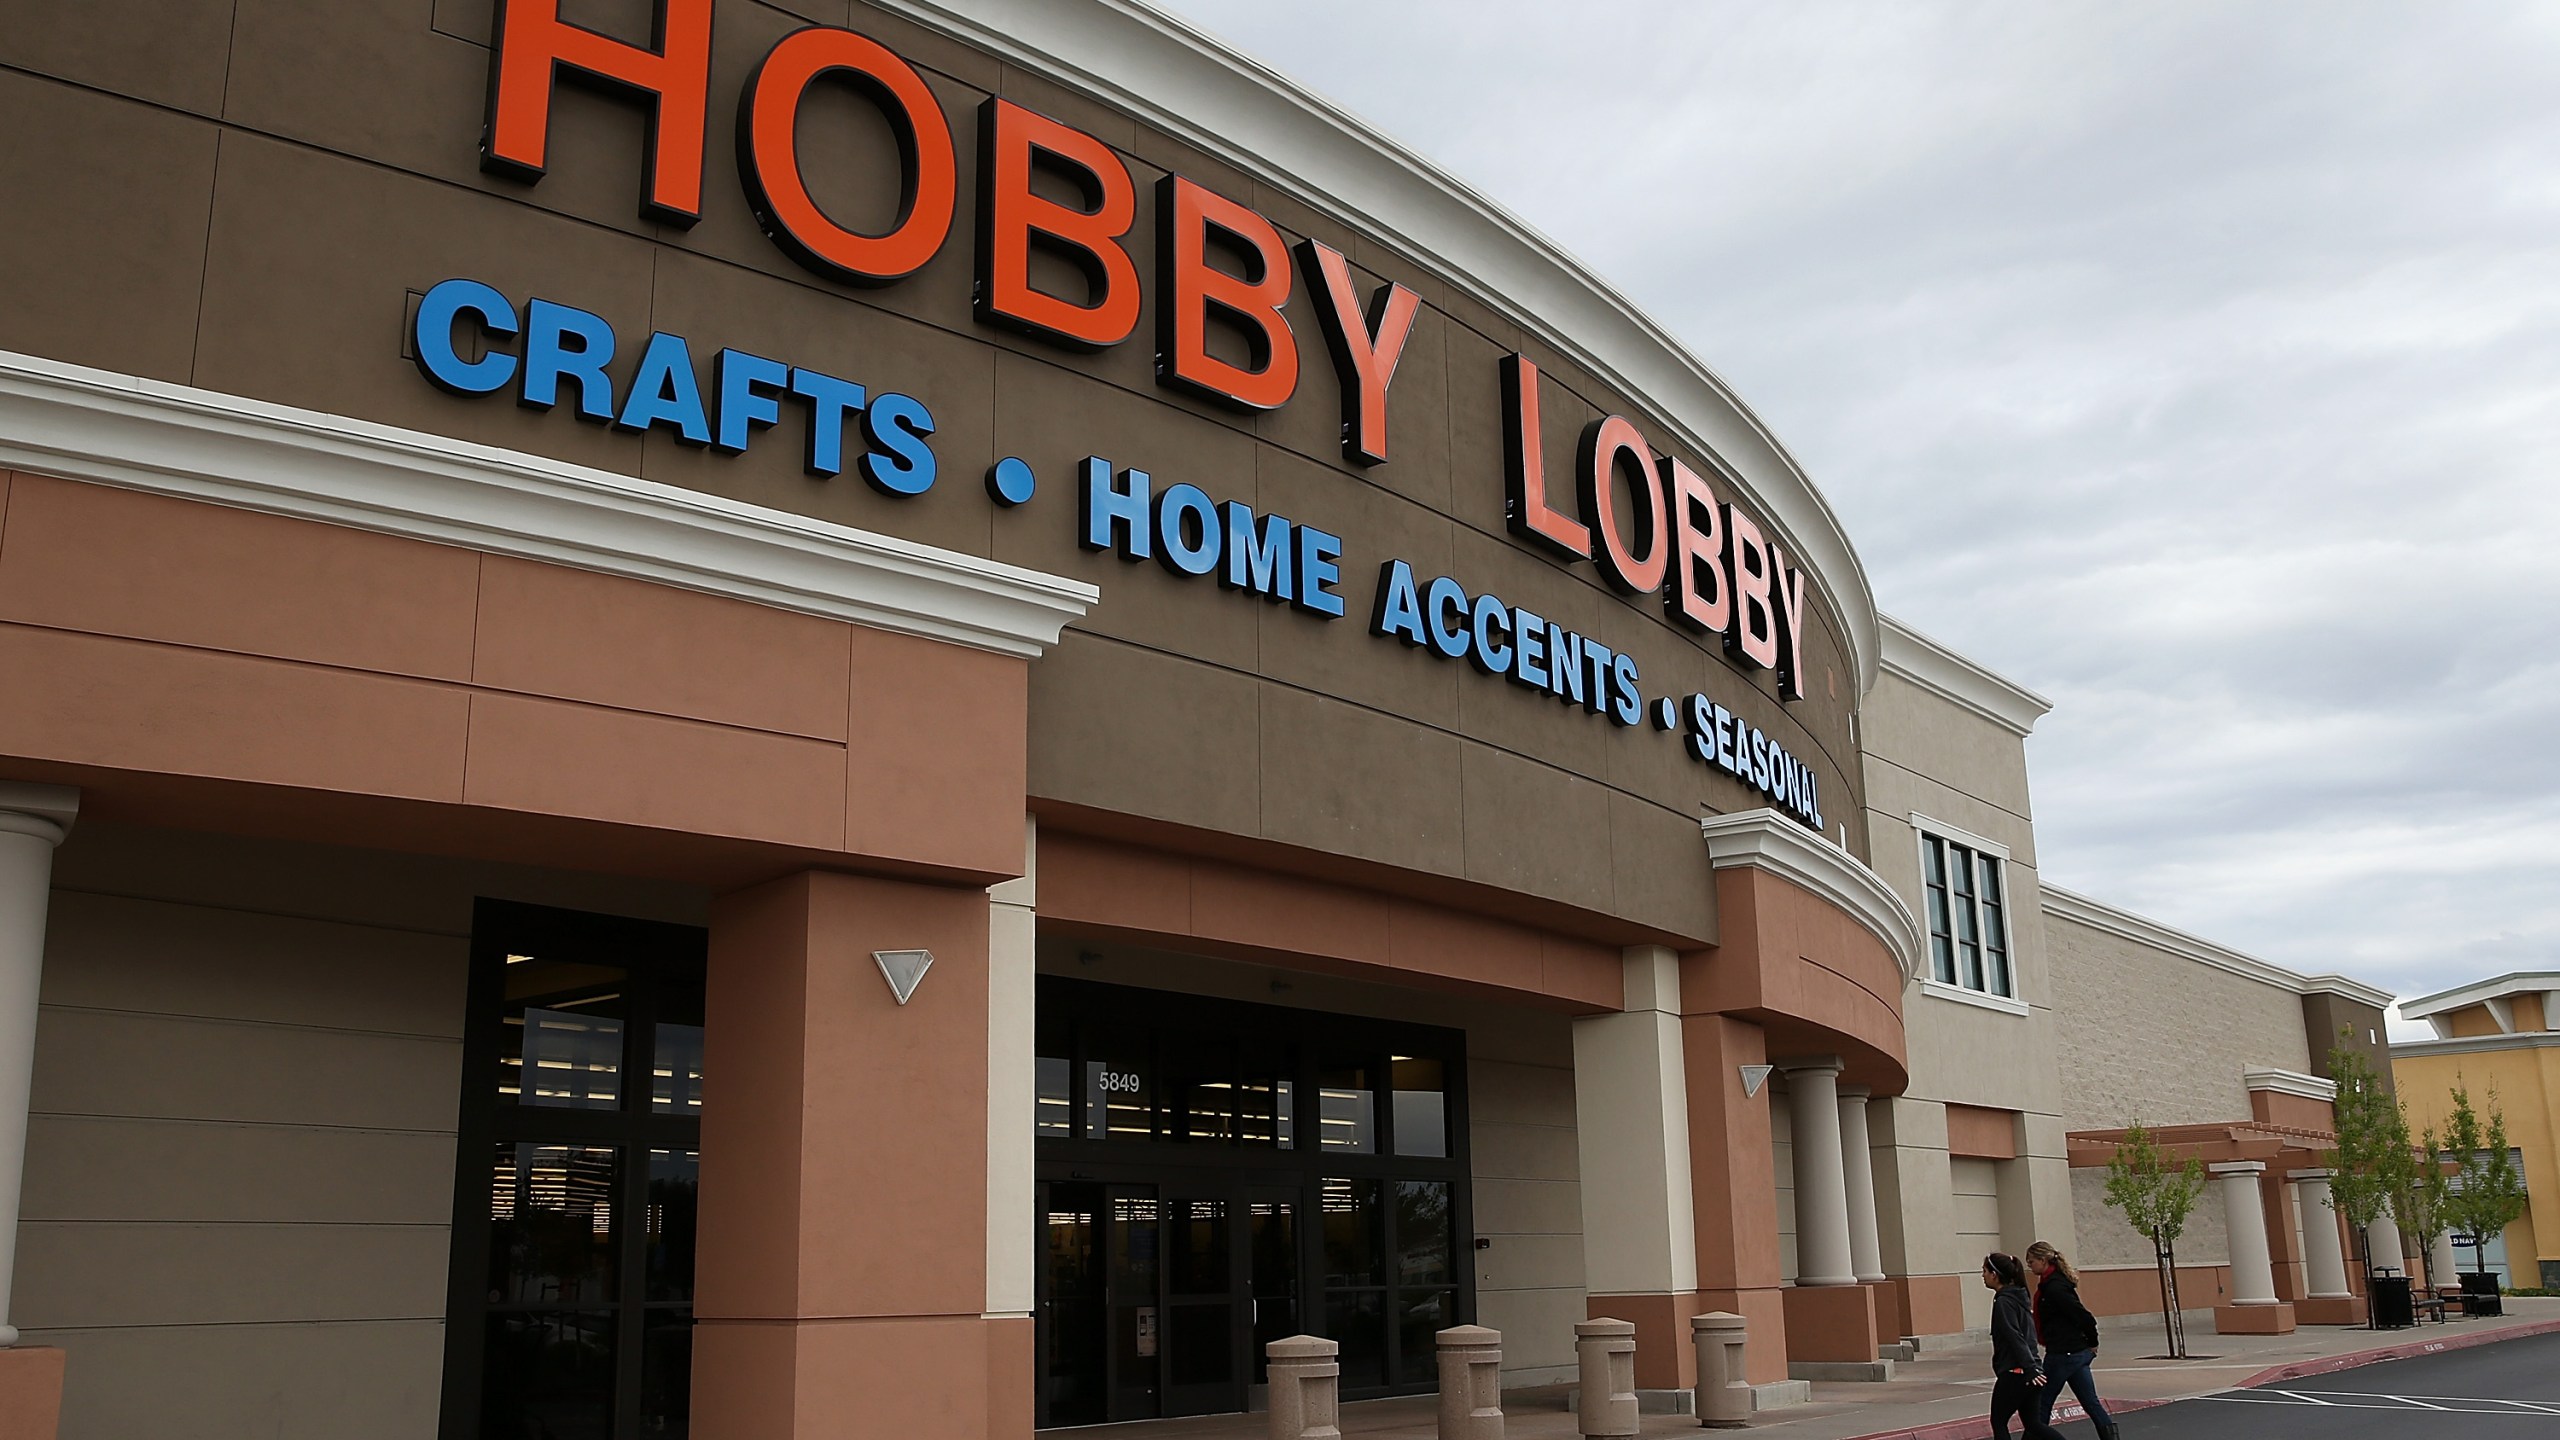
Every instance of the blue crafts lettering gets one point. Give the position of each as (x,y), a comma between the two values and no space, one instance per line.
(551,352)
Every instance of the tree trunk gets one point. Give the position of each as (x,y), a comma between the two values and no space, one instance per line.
(2364,1251)
(2173,1329)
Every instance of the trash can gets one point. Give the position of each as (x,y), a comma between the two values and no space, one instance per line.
(2391,1307)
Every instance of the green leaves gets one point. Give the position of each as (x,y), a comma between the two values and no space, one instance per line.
(2371,1162)
(2155,1192)
(2486,1194)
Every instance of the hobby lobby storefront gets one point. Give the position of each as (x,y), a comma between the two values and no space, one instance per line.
(770,720)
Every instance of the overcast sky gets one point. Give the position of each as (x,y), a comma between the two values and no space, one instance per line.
(2196,365)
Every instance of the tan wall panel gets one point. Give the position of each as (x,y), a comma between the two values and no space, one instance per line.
(1521,1093)
(114,1168)
(377,1380)
(1525,1152)
(112,952)
(91,1062)
(76,1275)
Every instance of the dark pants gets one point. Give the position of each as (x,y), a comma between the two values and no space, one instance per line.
(2012,1395)
(2072,1368)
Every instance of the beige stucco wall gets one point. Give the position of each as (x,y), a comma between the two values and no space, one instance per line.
(2158,1037)
(1928,756)
(240,1159)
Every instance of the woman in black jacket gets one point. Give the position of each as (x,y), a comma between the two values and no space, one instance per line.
(2017,1378)
(2070,1335)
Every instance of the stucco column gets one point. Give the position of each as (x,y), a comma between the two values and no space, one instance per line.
(2443,1266)
(1013,1086)
(33,820)
(842,1256)
(2383,1246)
(1866,1252)
(1631,1111)
(2253,1277)
(1822,1189)
(2324,1262)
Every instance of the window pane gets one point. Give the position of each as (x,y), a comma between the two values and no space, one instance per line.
(1204,1345)
(1995,928)
(1119,1103)
(1200,1093)
(1357,1320)
(666,1374)
(1133,1246)
(1269,1112)
(1049,1111)
(548,1374)
(560,1043)
(1422,1120)
(1350,1110)
(675,1180)
(551,1224)
(1968,937)
(1351,1245)
(1196,1247)
(1272,1240)
(1420,1316)
(1422,1232)
(1942,962)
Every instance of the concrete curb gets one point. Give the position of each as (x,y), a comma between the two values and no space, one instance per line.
(1970,1427)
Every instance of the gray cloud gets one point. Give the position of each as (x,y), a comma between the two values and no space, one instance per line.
(2196,364)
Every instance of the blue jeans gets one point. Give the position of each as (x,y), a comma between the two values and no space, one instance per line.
(2072,1368)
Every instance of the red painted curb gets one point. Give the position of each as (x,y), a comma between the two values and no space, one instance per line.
(2405,1350)
(1970,1427)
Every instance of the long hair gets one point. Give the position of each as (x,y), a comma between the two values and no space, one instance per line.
(2043,1253)
(2006,1267)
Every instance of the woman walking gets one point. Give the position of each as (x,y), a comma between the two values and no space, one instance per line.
(2070,1335)
(2017,1378)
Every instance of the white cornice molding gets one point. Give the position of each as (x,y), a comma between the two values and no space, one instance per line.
(1919,660)
(94,425)
(2475,1045)
(2124,924)
(1766,840)
(1980,999)
(2290,1082)
(2481,992)
(1191,86)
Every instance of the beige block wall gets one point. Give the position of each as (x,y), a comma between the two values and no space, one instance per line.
(240,1159)
(1521,1127)
(2157,1037)
(1927,756)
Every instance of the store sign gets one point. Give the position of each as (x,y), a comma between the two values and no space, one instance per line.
(1651,524)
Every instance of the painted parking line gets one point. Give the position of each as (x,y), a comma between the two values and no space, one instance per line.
(2354,1400)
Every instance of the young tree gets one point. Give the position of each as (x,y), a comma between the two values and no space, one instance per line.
(2157,1194)
(2371,1156)
(2425,1198)
(2488,1194)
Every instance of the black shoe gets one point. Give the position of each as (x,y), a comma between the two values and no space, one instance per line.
(2106,1429)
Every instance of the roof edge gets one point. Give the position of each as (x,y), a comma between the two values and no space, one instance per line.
(1934,666)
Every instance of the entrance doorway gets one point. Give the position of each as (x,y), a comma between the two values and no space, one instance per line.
(1184,1224)
(571,1309)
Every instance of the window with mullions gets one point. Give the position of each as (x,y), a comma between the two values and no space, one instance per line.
(1968,916)
(570,1311)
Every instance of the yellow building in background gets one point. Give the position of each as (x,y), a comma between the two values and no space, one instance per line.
(2501,1038)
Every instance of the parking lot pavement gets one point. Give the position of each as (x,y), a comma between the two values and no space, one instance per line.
(2509,1391)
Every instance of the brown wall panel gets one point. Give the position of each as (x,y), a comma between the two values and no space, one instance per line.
(165,52)
(350,180)
(104,247)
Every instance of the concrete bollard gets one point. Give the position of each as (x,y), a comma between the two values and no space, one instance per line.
(1724,1389)
(1470,1383)
(1607,1350)
(1306,1388)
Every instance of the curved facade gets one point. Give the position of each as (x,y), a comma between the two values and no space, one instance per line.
(901,708)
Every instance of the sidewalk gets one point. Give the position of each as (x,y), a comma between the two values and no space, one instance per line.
(1942,1396)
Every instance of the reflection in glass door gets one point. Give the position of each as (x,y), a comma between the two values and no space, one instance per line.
(570,1314)
(1200,1305)
(1271,1272)
(1073,1373)
(1136,1303)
